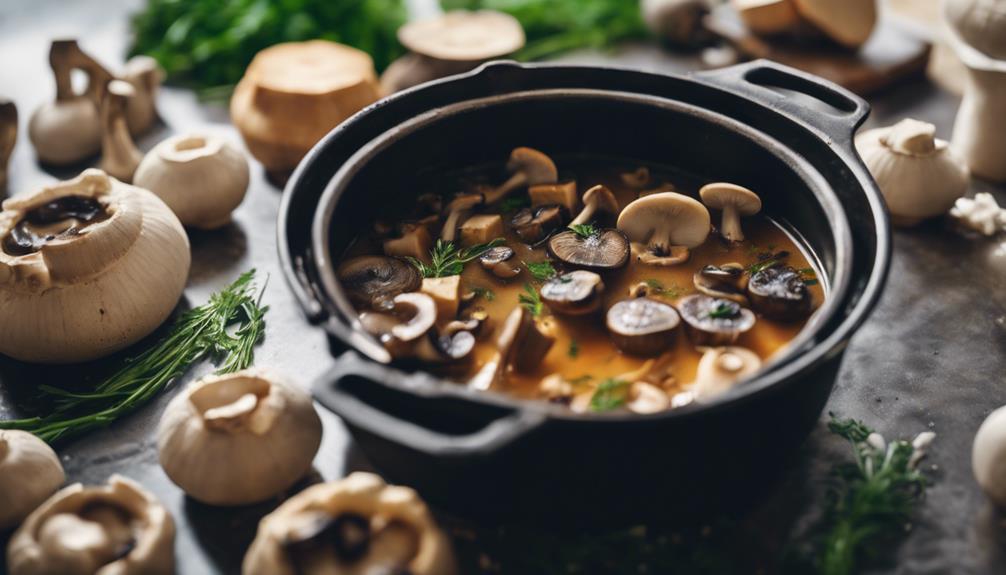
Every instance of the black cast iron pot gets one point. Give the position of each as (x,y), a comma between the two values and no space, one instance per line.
(781,132)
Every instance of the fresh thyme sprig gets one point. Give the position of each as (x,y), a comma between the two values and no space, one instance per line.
(531,300)
(584,230)
(205,332)
(447,260)
(541,271)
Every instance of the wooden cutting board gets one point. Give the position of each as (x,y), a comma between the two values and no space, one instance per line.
(895,52)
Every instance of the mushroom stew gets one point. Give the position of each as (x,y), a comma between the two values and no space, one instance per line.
(591,283)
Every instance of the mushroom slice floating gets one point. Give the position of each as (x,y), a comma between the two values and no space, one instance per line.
(726,281)
(527,167)
(114,528)
(497,261)
(575,293)
(374,281)
(533,225)
(520,344)
(714,321)
(456,210)
(356,525)
(779,293)
(29,473)
(643,326)
(408,331)
(721,368)
(664,227)
(596,200)
(603,251)
(735,202)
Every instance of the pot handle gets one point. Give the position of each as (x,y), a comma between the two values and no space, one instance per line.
(755,80)
(389,404)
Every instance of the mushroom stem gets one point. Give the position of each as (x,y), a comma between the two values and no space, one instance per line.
(516,181)
(65,56)
(232,415)
(585,214)
(730,226)
(119,156)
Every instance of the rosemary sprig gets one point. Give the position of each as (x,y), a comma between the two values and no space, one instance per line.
(447,260)
(584,230)
(204,332)
(541,271)
(531,300)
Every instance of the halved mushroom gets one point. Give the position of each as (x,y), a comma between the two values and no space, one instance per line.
(643,326)
(664,227)
(575,293)
(527,167)
(520,344)
(414,242)
(714,321)
(636,179)
(533,225)
(603,251)
(499,262)
(596,200)
(735,201)
(408,331)
(456,210)
(721,368)
(727,281)
(779,293)
(562,193)
(373,281)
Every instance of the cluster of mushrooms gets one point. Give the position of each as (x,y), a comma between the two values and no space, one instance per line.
(226,440)
(432,319)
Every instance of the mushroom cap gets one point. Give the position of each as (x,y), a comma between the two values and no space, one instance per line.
(602,198)
(642,326)
(779,293)
(720,368)
(606,250)
(714,321)
(533,225)
(537,167)
(575,293)
(464,36)
(685,218)
(371,280)
(424,315)
(496,255)
(719,195)
(29,473)
(727,281)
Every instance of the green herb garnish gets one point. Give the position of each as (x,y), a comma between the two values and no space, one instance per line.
(763,265)
(584,230)
(514,203)
(658,288)
(582,380)
(610,394)
(574,348)
(446,260)
(723,310)
(227,328)
(531,300)
(809,276)
(541,271)
(484,293)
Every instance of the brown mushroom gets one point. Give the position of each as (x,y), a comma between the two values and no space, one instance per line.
(596,200)
(520,344)
(714,321)
(527,167)
(533,225)
(499,262)
(643,326)
(779,293)
(456,211)
(576,293)
(414,242)
(374,281)
(664,227)
(727,281)
(602,251)
(735,201)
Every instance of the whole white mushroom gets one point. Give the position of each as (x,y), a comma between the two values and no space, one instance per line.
(988,456)
(29,473)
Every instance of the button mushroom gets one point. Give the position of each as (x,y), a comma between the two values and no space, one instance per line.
(459,207)
(527,167)
(602,251)
(29,473)
(520,344)
(721,368)
(664,227)
(596,200)
(714,321)
(642,326)
(727,281)
(779,293)
(373,281)
(498,261)
(735,202)
(532,225)
(575,293)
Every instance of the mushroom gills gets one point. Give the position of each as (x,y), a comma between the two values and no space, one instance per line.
(605,250)
(642,326)
(374,281)
(779,293)
(713,321)
(59,219)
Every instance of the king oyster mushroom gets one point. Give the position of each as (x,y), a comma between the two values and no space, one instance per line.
(735,202)
(527,167)
(114,528)
(605,250)
(596,200)
(29,473)
(499,262)
(643,326)
(720,369)
(533,225)
(520,344)
(727,281)
(374,281)
(238,438)
(357,525)
(664,227)
(779,293)
(576,293)
(714,321)
(457,210)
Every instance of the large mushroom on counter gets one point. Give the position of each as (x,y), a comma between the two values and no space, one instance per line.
(602,251)
(520,344)
(642,326)
(714,321)
(576,293)
(29,473)
(726,281)
(527,167)
(533,225)
(735,201)
(720,369)
(664,227)
(598,199)
(374,281)
(778,292)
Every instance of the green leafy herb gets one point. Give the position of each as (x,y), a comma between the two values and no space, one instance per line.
(514,203)
(610,394)
(484,293)
(227,328)
(658,288)
(447,260)
(763,265)
(531,300)
(582,380)
(809,276)
(723,310)
(574,348)
(207,44)
(541,271)
(584,230)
